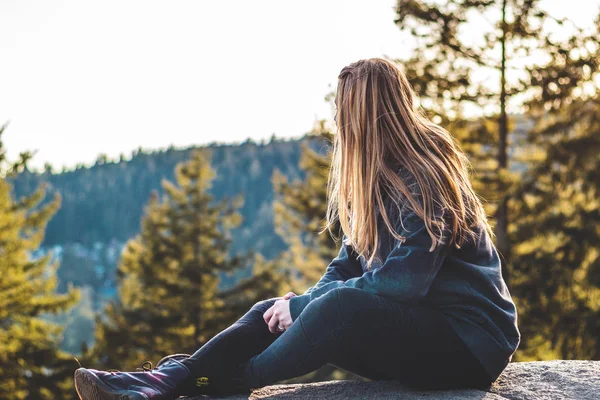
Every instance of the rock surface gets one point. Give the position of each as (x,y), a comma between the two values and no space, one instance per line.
(559,379)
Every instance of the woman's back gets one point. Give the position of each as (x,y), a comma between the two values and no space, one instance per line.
(469,290)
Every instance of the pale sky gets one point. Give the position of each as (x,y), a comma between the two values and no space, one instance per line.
(79,78)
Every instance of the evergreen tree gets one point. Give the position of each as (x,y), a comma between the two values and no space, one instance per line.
(299,213)
(299,210)
(484,75)
(557,228)
(557,262)
(31,366)
(169,274)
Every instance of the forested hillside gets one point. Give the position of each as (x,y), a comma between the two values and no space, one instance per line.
(104,202)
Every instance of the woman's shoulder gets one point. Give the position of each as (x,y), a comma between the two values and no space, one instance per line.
(478,248)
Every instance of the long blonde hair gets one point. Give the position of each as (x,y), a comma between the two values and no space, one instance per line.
(380,131)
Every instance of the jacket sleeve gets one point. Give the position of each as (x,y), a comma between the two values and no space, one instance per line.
(406,275)
(341,268)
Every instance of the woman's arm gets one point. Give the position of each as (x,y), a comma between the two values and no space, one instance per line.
(406,275)
(341,268)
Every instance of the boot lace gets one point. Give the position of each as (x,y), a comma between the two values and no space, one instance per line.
(146,367)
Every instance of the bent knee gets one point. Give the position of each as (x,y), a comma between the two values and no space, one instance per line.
(336,298)
(344,305)
(324,311)
(347,293)
(338,308)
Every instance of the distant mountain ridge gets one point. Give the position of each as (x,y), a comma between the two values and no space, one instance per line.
(105,202)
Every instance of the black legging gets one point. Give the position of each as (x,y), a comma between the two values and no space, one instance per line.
(349,328)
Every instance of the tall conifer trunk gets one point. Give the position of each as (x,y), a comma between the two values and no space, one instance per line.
(503,242)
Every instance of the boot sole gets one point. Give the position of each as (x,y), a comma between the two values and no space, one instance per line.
(90,387)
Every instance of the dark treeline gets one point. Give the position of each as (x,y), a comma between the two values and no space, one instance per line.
(104,202)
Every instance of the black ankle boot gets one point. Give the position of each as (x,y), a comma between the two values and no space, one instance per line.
(195,386)
(161,383)
(218,380)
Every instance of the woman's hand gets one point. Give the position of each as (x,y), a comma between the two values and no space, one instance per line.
(278,316)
